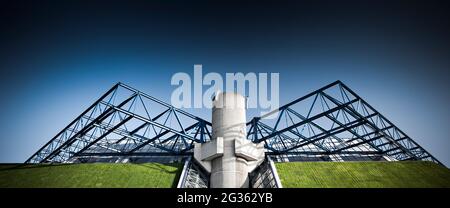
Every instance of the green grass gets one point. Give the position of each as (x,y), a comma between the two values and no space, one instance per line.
(292,175)
(363,174)
(98,175)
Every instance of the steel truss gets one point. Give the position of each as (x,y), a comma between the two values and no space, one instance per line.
(123,122)
(333,120)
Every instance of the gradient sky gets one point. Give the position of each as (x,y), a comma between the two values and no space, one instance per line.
(57,57)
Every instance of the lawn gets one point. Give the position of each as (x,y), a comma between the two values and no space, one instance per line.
(98,175)
(363,174)
(292,175)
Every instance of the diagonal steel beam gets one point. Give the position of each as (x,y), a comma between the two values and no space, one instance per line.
(88,127)
(307,120)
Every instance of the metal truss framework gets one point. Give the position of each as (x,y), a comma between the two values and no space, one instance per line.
(330,121)
(333,121)
(124,122)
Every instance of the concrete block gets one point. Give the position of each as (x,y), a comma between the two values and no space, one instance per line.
(212,149)
(198,157)
(248,150)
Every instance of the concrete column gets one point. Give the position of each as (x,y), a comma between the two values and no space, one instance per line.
(229,156)
(228,122)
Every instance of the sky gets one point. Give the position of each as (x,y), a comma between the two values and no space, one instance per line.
(58,57)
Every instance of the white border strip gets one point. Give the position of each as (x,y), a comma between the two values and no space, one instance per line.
(184,173)
(275,173)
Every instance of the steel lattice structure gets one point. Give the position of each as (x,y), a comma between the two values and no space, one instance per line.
(330,121)
(125,121)
(334,120)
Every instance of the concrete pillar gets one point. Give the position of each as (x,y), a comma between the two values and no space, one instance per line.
(229,156)
(228,122)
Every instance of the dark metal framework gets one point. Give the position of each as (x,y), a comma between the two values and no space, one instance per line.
(125,122)
(331,121)
(263,176)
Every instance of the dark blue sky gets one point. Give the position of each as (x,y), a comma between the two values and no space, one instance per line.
(57,57)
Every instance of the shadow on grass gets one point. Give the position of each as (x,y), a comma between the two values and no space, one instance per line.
(163,168)
(12,166)
(155,166)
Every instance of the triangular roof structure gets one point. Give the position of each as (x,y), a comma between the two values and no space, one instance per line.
(331,123)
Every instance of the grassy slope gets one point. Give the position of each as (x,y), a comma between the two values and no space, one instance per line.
(296,174)
(90,175)
(363,174)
